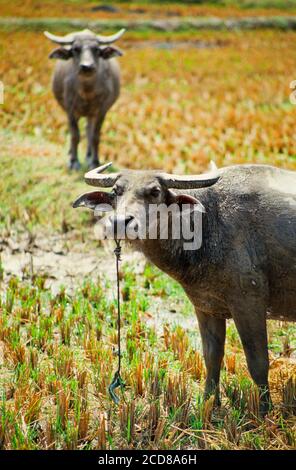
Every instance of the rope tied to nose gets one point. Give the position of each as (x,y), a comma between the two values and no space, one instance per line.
(117,380)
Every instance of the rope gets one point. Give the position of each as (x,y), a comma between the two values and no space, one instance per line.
(117,380)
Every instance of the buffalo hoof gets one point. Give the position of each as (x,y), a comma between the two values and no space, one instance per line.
(264,409)
(217,400)
(265,403)
(75,165)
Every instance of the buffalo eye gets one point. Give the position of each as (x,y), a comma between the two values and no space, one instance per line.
(95,50)
(77,49)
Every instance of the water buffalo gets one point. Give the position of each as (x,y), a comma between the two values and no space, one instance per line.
(86,82)
(245,268)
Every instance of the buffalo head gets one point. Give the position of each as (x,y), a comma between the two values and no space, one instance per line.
(85,48)
(138,196)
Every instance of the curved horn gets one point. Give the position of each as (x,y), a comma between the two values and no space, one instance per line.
(65,40)
(191,181)
(94,178)
(110,39)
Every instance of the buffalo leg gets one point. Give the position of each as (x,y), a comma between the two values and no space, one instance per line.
(89,137)
(212,332)
(95,141)
(250,320)
(75,137)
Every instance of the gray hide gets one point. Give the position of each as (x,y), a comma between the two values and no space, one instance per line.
(246,266)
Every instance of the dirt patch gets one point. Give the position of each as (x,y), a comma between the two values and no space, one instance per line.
(60,258)
(65,262)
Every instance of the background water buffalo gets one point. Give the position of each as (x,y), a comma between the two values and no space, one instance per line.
(86,83)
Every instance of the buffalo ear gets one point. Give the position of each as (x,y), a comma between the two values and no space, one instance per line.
(110,51)
(61,53)
(95,200)
(176,198)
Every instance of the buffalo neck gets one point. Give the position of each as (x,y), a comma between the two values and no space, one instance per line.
(87,85)
(170,257)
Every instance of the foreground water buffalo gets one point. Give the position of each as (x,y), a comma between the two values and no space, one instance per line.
(86,82)
(245,266)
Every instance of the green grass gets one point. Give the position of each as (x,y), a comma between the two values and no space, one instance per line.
(187,25)
(39,191)
(280,4)
(58,346)
(59,361)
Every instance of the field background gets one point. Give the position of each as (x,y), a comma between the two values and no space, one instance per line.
(187,97)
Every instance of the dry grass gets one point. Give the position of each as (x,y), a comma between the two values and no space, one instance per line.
(54,386)
(178,109)
(133,10)
(187,112)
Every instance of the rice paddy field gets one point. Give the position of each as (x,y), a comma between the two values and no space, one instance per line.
(187,97)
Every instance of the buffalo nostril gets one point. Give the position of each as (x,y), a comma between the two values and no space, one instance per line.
(136,227)
(86,68)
